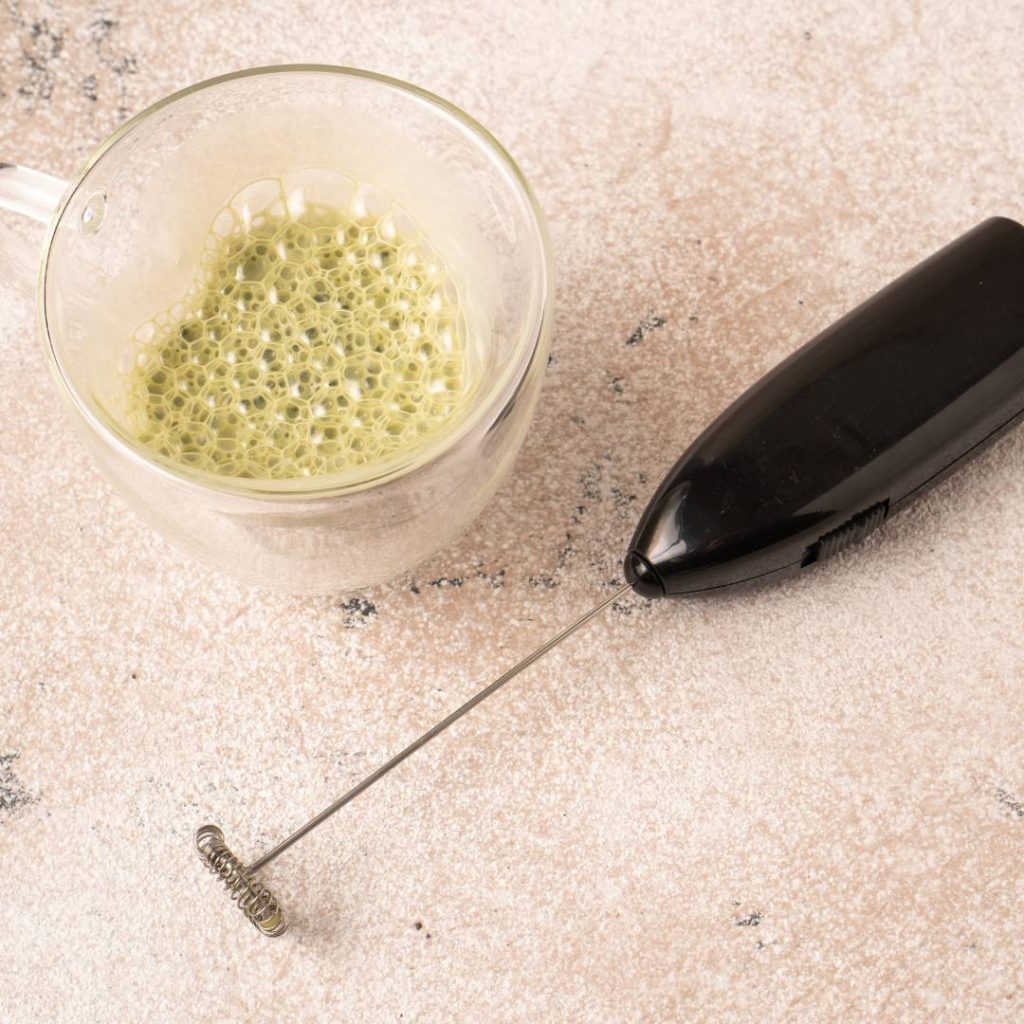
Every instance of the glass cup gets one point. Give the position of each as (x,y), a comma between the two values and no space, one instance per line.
(123,244)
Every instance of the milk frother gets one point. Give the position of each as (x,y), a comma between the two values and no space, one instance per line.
(843,434)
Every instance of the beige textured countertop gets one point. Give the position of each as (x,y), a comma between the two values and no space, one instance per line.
(803,805)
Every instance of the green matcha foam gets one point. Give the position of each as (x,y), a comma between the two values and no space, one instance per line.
(309,343)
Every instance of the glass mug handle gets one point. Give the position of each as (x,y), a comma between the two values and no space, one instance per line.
(32,193)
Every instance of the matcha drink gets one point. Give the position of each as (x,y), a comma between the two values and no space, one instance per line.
(310,342)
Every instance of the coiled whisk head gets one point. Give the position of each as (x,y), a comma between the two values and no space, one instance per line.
(254,899)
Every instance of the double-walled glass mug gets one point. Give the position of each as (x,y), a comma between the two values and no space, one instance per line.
(124,241)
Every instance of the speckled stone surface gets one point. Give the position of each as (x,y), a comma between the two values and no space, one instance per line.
(803,805)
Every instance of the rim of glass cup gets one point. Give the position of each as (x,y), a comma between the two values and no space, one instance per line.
(492,404)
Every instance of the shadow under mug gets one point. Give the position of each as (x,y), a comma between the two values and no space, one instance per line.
(124,240)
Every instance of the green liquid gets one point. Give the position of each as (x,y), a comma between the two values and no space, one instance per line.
(309,344)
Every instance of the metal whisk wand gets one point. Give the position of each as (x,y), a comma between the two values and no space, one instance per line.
(254,898)
(849,430)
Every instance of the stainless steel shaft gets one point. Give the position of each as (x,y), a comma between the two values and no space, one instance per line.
(436,730)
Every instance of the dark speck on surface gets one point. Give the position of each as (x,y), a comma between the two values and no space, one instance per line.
(448,581)
(119,63)
(357,611)
(495,579)
(13,795)
(648,324)
(590,483)
(752,920)
(623,502)
(418,925)
(617,385)
(1015,807)
(568,550)
(42,46)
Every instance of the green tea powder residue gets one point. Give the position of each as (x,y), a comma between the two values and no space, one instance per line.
(309,343)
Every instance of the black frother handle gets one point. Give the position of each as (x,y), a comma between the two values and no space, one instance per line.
(850,428)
